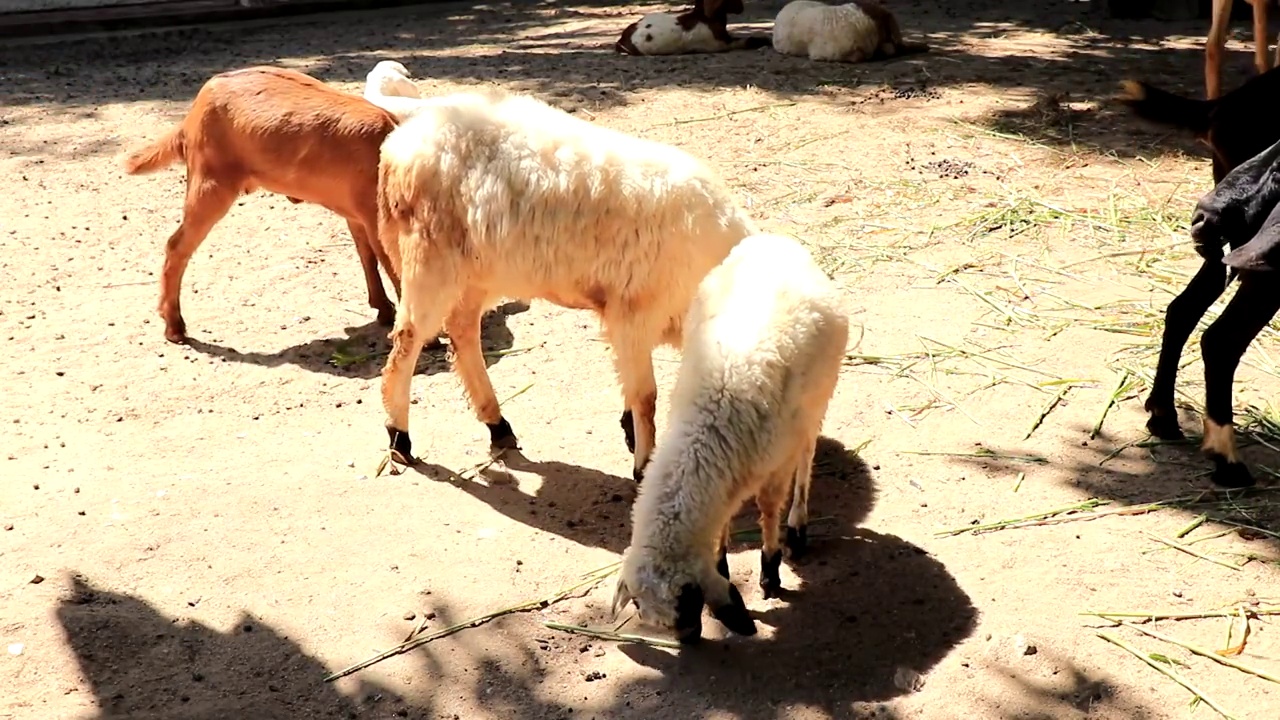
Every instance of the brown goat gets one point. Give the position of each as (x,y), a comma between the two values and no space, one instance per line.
(1217,39)
(284,132)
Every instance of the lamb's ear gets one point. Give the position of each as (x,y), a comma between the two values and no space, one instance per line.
(689,613)
(734,614)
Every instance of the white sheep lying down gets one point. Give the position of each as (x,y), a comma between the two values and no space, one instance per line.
(858,31)
(486,195)
(764,341)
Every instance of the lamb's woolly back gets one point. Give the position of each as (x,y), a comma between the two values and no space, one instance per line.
(854,32)
(518,177)
(763,342)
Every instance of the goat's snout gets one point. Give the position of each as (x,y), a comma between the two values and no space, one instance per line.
(1197,223)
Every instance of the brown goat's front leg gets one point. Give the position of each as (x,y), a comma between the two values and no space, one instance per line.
(1180,319)
(463,326)
(1213,46)
(1222,346)
(207,202)
(769,500)
(1261,44)
(378,299)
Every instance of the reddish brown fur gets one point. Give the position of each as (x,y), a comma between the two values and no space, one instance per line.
(1218,37)
(284,132)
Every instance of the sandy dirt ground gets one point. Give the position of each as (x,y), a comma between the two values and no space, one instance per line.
(197,531)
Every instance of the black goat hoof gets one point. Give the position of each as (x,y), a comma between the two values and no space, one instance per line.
(722,565)
(401,446)
(628,424)
(1231,475)
(1164,425)
(502,437)
(770,578)
(797,542)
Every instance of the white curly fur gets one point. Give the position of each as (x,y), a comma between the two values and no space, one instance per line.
(484,196)
(764,340)
(840,33)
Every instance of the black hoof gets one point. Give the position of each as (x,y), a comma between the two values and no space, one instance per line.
(1231,475)
(628,424)
(797,542)
(770,579)
(637,474)
(722,565)
(1164,425)
(502,437)
(401,446)
(386,316)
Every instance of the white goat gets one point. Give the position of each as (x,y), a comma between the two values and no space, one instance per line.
(763,345)
(389,86)
(702,28)
(484,196)
(854,32)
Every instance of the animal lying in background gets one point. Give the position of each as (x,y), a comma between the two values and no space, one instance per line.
(485,196)
(1236,126)
(284,132)
(1243,213)
(389,86)
(702,28)
(855,32)
(763,345)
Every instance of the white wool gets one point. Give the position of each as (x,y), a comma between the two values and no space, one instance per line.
(764,340)
(661,34)
(490,195)
(389,86)
(825,32)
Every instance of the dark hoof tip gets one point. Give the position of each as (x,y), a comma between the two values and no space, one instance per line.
(177,336)
(401,446)
(629,431)
(722,566)
(637,474)
(502,437)
(797,542)
(1164,425)
(690,635)
(771,588)
(387,317)
(770,578)
(1230,475)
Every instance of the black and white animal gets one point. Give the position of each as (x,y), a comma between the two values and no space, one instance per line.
(1242,213)
(1236,127)
(854,32)
(764,341)
(702,28)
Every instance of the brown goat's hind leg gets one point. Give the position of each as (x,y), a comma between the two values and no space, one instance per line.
(463,326)
(1180,319)
(378,299)
(769,500)
(1261,58)
(1222,346)
(207,202)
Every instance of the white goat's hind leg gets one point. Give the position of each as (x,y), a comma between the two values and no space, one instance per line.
(798,518)
(634,361)
(419,317)
(463,326)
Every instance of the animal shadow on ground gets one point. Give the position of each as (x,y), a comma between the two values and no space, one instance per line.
(361,353)
(144,666)
(1169,471)
(594,508)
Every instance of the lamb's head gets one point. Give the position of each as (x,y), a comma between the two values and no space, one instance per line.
(390,79)
(1235,210)
(671,595)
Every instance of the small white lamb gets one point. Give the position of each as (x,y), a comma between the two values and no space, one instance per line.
(764,340)
(389,86)
(854,32)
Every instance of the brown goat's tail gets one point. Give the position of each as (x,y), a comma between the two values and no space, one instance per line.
(158,155)
(1160,106)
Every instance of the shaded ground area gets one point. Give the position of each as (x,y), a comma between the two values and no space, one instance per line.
(1008,240)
